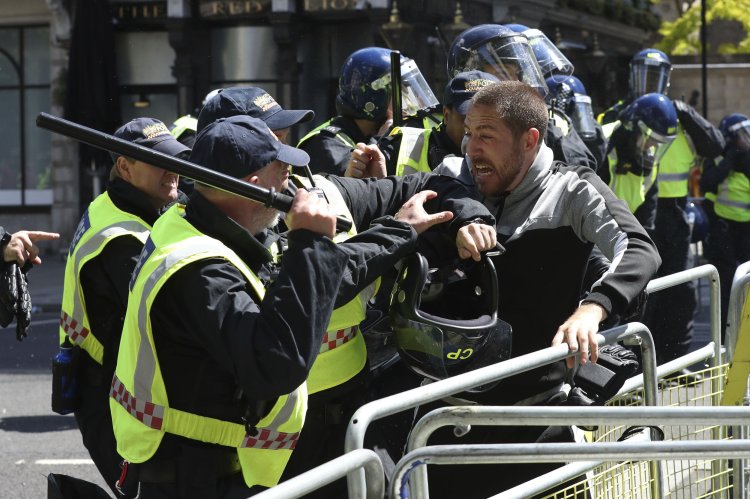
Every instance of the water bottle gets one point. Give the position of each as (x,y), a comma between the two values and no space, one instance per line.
(64,386)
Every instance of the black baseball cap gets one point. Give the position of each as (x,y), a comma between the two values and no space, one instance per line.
(463,86)
(251,101)
(241,145)
(151,133)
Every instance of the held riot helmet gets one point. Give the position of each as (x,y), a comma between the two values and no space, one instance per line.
(649,72)
(698,221)
(497,50)
(569,96)
(653,119)
(736,130)
(445,320)
(552,62)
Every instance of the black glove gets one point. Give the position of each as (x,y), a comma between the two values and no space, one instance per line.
(680,106)
(15,300)
(602,381)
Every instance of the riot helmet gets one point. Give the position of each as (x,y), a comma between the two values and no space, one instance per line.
(365,84)
(652,119)
(497,50)
(736,130)
(445,319)
(569,96)
(551,60)
(649,72)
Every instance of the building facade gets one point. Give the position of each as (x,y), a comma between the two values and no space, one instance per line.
(168,54)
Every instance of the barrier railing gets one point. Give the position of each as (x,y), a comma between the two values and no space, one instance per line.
(409,399)
(736,300)
(331,471)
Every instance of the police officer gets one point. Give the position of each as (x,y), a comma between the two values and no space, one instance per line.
(102,255)
(636,143)
(364,107)
(408,150)
(568,96)
(726,182)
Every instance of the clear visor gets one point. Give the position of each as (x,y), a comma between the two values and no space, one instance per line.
(741,132)
(552,62)
(649,77)
(651,145)
(508,58)
(416,94)
(583,117)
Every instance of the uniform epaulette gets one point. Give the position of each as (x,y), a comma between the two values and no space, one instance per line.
(331,130)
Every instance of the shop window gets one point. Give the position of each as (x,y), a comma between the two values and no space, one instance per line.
(25,162)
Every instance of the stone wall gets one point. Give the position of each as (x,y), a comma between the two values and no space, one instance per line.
(728,84)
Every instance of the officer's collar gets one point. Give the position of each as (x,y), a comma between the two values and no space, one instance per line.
(130,199)
(208,219)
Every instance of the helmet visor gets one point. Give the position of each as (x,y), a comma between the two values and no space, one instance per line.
(651,145)
(649,76)
(741,133)
(583,116)
(552,62)
(416,94)
(508,58)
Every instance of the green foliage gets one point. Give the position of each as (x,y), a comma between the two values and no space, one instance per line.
(682,36)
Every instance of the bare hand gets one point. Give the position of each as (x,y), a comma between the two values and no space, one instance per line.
(580,331)
(22,248)
(366,161)
(311,212)
(413,212)
(474,238)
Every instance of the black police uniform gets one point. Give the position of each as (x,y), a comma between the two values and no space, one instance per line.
(104,280)
(328,153)
(568,147)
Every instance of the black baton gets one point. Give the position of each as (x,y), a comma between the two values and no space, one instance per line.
(95,138)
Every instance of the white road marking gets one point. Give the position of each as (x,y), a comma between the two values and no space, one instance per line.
(74,462)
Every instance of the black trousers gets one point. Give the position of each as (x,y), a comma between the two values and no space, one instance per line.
(669,313)
(95,421)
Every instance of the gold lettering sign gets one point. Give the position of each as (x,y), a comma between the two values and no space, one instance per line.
(323,5)
(234,8)
(141,11)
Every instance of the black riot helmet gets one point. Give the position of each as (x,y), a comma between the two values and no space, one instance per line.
(445,319)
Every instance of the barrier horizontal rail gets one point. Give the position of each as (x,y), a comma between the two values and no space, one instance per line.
(329,472)
(561,452)
(409,399)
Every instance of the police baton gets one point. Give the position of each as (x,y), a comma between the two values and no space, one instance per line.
(396,87)
(267,197)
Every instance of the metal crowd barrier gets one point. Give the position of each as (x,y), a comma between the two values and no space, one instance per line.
(736,300)
(331,471)
(409,399)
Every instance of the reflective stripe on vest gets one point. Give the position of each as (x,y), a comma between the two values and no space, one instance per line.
(733,198)
(412,153)
(101,223)
(344,138)
(674,167)
(339,361)
(139,403)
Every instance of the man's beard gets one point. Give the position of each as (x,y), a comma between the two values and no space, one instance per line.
(266,219)
(509,172)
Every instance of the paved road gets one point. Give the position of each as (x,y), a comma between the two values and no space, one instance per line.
(34,440)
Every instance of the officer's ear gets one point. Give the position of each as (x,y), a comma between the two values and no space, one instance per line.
(124,168)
